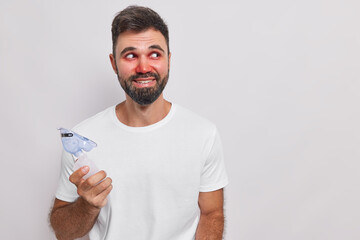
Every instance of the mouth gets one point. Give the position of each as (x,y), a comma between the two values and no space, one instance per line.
(144,82)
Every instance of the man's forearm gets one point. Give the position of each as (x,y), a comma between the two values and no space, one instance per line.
(211,227)
(74,220)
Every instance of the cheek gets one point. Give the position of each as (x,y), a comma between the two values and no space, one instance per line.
(161,68)
(125,69)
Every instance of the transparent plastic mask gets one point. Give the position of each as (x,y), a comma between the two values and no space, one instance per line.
(74,143)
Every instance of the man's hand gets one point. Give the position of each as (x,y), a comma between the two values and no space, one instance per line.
(93,190)
(72,220)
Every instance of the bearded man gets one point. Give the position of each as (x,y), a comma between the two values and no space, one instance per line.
(164,164)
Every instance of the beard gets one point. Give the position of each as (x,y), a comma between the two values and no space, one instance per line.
(147,95)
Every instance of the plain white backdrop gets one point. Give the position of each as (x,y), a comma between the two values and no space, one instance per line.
(279,78)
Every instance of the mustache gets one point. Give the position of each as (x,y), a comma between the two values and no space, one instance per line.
(144,75)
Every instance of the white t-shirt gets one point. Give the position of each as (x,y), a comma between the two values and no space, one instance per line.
(157,172)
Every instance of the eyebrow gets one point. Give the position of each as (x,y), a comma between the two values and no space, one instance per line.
(157,47)
(127,49)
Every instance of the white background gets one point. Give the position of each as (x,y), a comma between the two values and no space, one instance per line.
(279,78)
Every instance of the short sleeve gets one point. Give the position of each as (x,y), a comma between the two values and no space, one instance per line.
(213,176)
(66,190)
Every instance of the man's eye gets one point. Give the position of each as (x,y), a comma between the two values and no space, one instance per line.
(130,55)
(154,55)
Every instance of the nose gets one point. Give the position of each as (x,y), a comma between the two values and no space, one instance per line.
(143,65)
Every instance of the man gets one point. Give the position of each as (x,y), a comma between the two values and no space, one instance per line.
(165,162)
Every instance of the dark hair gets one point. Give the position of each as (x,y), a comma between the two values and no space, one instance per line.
(138,19)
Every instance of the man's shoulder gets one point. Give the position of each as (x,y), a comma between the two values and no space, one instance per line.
(95,121)
(195,120)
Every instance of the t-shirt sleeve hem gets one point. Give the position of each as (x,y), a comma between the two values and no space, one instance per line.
(214,187)
(66,198)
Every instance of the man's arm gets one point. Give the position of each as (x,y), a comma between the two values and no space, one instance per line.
(74,220)
(211,224)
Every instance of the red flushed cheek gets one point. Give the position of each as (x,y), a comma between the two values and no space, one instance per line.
(160,68)
(126,69)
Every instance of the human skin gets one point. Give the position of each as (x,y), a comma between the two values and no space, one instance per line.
(211,223)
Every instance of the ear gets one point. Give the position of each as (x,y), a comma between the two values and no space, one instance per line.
(169,59)
(113,62)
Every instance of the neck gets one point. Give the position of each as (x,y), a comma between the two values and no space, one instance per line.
(133,114)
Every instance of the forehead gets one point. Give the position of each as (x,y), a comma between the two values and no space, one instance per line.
(140,40)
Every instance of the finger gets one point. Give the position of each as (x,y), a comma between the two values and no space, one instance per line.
(101,199)
(102,186)
(93,180)
(77,176)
